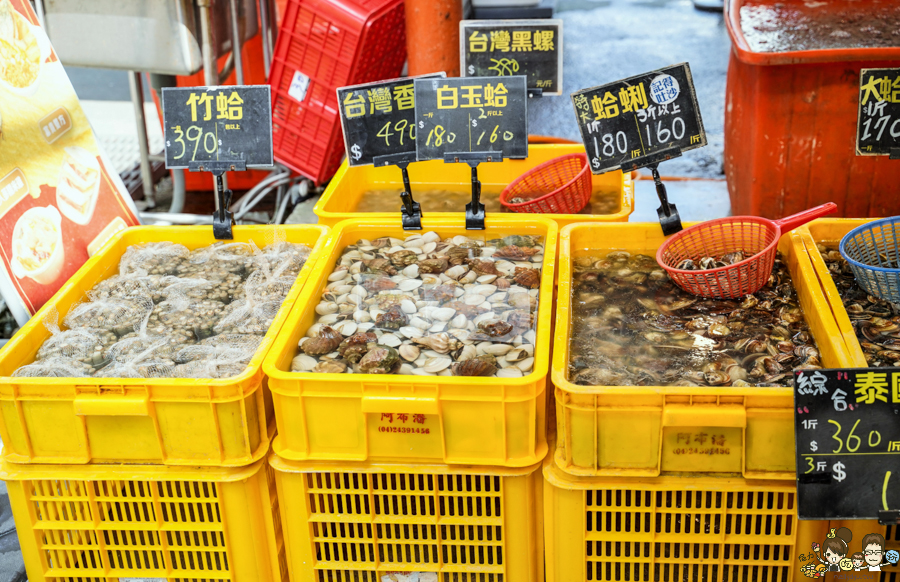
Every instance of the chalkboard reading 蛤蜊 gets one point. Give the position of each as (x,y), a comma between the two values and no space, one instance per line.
(641,120)
(878,123)
(218,124)
(378,119)
(503,48)
(471,115)
(847,425)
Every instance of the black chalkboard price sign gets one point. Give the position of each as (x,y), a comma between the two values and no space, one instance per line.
(878,123)
(378,119)
(218,124)
(847,425)
(641,120)
(503,48)
(471,114)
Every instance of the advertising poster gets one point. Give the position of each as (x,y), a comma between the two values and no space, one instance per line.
(59,202)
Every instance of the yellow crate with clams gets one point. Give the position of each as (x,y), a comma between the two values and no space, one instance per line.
(146,522)
(361,522)
(461,420)
(218,422)
(673,528)
(639,431)
(350,193)
(831,231)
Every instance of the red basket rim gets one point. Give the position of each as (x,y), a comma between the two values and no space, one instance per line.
(739,264)
(537,169)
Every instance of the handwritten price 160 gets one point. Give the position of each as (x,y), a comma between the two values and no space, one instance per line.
(210,143)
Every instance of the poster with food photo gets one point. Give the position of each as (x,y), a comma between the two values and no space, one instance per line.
(59,202)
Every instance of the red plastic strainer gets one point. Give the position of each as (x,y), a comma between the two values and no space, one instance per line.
(559,186)
(750,234)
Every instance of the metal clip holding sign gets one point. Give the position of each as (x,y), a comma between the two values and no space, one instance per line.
(411,212)
(889,517)
(475,209)
(223,219)
(669,219)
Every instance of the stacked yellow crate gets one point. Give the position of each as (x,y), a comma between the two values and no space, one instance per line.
(385,474)
(622,503)
(143,478)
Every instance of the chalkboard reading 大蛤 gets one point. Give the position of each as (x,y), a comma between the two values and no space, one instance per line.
(218,124)
(503,48)
(471,114)
(878,123)
(378,119)
(634,122)
(847,425)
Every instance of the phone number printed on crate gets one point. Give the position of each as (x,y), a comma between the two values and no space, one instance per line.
(403,418)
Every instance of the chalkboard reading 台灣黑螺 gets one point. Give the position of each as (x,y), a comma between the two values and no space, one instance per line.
(471,115)
(641,120)
(503,48)
(847,425)
(878,123)
(378,119)
(218,124)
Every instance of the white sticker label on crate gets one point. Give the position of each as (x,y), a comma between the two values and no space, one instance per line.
(299,86)
(142,580)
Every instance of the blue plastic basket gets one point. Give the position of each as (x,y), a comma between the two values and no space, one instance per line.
(873,251)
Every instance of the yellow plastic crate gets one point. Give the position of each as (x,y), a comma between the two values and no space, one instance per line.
(342,197)
(166,421)
(672,529)
(347,522)
(345,417)
(144,522)
(635,430)
(832,230)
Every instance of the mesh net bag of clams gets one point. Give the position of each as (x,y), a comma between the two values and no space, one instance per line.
(631,326)
(428,306)
(171,312)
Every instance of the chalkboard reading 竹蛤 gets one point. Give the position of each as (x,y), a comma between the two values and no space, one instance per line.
(641,120)
(378,119)
(503,48)
(847,425)
(878,123)
(218,124)
(471,114)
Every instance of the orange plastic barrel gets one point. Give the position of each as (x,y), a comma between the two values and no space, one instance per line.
(432,36)
(790,129)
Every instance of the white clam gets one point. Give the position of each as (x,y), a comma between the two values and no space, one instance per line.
(406,370)
(431,236)
(346,328)
(474,299)
(410,284)
(438,327)
(314,330)
(486,290)
(429,247)
(329,319)
(456,272)
(411,271)
(411,332)
(469,277)
(362,317)
(390,340)
(414,242)
(510,372)
(459,239)
(420,323)
(407,306)
(435,365)
(338,275)
(421,372)
(459,321)
(487,279)
(303,363)
(326,308)
(365,326)
(359,291)
(409,353)
(526,365)
(517,355)
(443,313)
(498,349)
(530,337)
(467,353)
(487,316)
(498,297)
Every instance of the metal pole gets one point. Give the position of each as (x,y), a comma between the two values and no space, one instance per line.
(39,12)
(236,44)
(210,68)
(136,85)
(266,37)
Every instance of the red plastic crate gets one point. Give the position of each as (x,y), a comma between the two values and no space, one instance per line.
(334,43)
(790,130)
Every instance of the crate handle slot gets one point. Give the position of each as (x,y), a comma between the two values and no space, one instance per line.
(94,405)
(407,404)
(720,415)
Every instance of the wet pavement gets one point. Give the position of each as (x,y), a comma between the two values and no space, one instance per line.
(607,40)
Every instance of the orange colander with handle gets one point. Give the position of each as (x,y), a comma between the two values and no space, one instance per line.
(757,238)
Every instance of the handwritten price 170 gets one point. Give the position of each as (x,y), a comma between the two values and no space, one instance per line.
(210,143)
